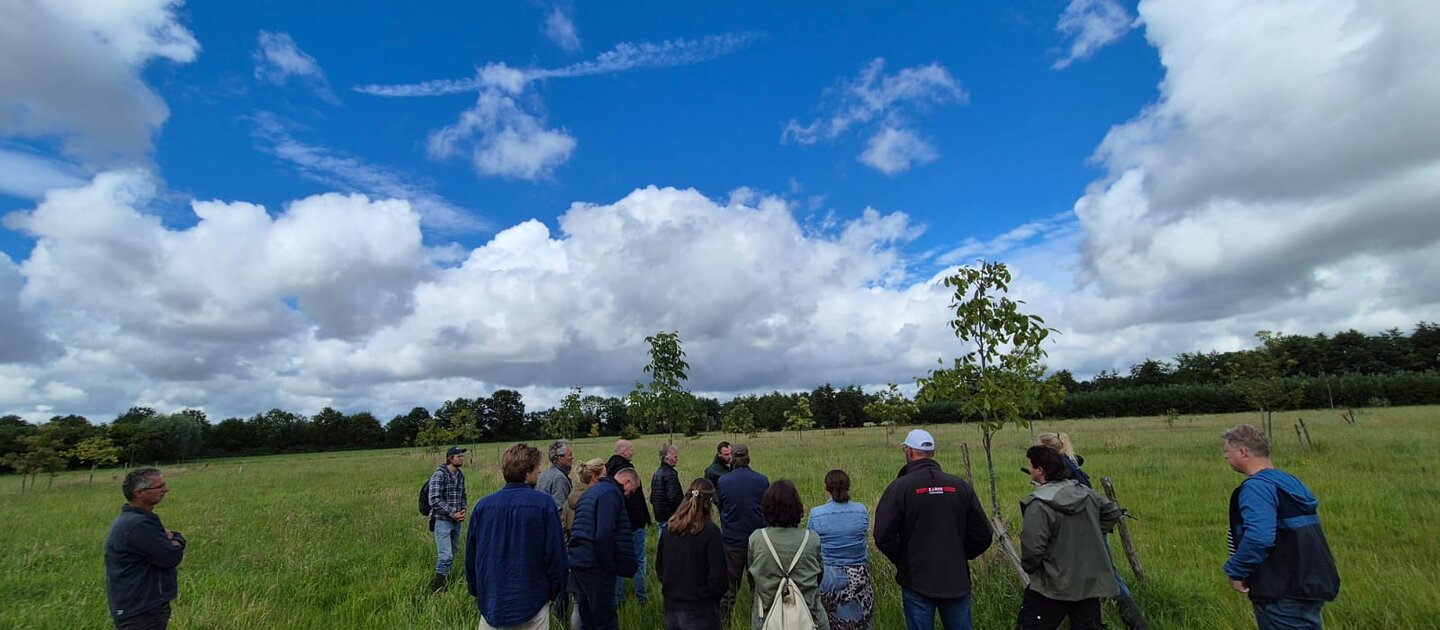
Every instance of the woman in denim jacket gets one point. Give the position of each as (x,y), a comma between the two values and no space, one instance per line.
(846,591)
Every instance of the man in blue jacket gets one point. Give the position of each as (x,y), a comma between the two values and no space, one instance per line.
(141,556)
(602,549)
(1278,553)
(739,497)
(515,550)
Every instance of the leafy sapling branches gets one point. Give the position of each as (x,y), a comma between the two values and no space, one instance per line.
(665,401)
(999,378)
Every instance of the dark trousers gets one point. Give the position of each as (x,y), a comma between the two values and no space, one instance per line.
(1038,612)
(595,597)
(735,560)
(157,619)
(692,619)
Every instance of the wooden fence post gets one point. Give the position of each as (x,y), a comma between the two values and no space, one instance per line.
(1306,430)
(969,476)
(1130,553)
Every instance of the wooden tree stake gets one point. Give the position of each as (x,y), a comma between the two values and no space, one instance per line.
(1009,548)
(969,475)
(1130,553)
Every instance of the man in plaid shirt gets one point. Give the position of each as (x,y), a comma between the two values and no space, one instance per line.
(447,512)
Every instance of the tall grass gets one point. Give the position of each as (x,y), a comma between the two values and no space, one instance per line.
(333,540)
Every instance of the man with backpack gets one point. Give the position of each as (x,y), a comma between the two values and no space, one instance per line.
(446,490)
(930,525)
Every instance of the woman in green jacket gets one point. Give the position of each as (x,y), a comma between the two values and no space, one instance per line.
(782,510)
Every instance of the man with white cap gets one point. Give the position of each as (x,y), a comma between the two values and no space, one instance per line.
(929,523)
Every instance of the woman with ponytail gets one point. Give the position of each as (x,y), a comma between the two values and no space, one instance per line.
(691,563)
(846,591)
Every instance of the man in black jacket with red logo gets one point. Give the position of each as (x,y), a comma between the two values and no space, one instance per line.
(930,525)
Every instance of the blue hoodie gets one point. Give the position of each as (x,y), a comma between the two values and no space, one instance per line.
(1277,545)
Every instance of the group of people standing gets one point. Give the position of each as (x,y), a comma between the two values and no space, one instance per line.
(570,536)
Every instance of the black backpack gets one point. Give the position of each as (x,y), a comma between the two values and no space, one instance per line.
(425,498)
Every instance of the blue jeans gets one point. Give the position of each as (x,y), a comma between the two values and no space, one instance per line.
(447,540)
(1288,614)
(594,598)
(920,611)
(641,593)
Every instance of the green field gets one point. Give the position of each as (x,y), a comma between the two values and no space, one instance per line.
(312,541)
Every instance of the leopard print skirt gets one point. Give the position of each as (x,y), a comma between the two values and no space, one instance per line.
(848,596)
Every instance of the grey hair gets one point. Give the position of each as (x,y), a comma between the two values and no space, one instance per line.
(666,450)
(138,480)
(621,444)
(626,472)
(1248,438)
(557,449)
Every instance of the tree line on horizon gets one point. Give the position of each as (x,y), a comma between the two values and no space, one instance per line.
(1347,369)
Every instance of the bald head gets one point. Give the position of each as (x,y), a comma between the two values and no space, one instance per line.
(625,448)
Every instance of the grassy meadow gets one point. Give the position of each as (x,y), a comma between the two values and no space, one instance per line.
(320,540)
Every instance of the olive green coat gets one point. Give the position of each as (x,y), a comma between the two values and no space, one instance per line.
(1062,541)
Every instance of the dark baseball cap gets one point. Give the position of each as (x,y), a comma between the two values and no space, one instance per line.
(453,451)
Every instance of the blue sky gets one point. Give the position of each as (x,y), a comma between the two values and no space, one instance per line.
(376,207)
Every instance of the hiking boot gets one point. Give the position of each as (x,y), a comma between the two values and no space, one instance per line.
(439,583)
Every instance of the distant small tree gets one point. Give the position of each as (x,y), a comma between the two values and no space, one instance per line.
(891,408)
(738,419)
(1258,376)
(799,418)
(39,456)
(97,450)
(566,420)
(437,434)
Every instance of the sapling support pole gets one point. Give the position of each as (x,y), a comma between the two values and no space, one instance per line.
(969,475)
(1130,553)
(1009,548)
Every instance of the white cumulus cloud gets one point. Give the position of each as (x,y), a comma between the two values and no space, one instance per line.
(1287,179)
(334,301)
(72,69)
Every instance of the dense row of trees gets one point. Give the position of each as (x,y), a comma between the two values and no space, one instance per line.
(1349,352)
(1349,369)
(143,435)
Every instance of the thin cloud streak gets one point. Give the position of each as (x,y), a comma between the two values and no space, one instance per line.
(624,57)
(353,175)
